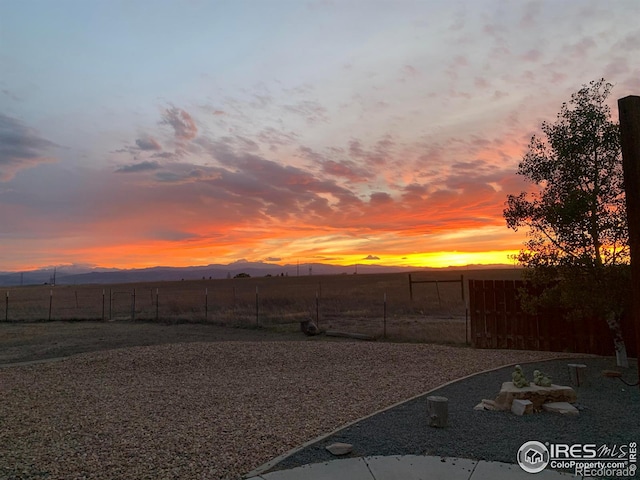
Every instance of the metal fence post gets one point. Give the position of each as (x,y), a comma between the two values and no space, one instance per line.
(257,309)
(384,315)
(410,288)
(133,305)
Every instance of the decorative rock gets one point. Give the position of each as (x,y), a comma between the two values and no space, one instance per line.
(520,407)
(487,405)
(536,394)
(308,327)
(340,448)
(563,408)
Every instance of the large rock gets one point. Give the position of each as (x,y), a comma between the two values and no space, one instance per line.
(536,394)
(520,407)
(308,327)
(339,448)
(487,405)
(563,408)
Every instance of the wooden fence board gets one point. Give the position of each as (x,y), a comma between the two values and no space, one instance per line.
(490,313)
(497,321)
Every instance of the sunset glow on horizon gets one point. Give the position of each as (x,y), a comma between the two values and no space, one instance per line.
(139,134)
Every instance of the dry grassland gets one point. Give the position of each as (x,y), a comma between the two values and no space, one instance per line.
(352,303)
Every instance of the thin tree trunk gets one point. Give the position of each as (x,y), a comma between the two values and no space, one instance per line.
(613,321)
(595,230)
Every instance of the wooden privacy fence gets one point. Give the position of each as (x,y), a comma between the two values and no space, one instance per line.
(497,321)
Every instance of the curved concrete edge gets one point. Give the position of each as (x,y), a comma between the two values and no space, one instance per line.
(272,463)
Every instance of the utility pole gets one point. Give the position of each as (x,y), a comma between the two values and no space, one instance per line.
(629,112)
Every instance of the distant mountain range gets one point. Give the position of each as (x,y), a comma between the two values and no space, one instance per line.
(77,275)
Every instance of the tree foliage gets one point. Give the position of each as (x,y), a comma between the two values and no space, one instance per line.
(576,218)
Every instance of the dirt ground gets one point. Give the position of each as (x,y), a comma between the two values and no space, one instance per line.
(26,342)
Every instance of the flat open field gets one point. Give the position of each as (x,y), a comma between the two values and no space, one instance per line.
(374,304)
(379,305)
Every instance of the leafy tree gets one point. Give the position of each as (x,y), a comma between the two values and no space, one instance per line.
(577,243)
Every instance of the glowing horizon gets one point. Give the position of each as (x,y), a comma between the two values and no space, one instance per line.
(428,260)
(284,131)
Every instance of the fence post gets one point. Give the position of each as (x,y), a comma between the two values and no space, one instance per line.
(410,288)
(466,326)
(110,303)
(206,304)
(157,302)
(257,309)
(317,310)
(384,316)
(103,304)
(6,309)
(629,114)
(50,302)
(133,305)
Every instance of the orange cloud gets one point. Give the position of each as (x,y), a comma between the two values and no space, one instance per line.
(220,198)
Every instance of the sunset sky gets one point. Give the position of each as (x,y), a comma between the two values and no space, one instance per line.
(148,132)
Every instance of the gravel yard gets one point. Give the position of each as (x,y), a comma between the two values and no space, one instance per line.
(207,410)
(609,412)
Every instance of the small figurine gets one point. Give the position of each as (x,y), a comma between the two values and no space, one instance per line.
(518,378)
(541,379)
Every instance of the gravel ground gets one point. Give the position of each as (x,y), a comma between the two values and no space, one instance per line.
(609,413)
(209,410)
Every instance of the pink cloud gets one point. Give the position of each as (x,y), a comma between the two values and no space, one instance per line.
(380,198)
(20,147)
(532,55)
(581,49)
(183,125)
(148,143)
(531,13)
(346,169)
(616,67)
(481,82)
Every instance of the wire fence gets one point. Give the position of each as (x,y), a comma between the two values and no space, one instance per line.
(377,305)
